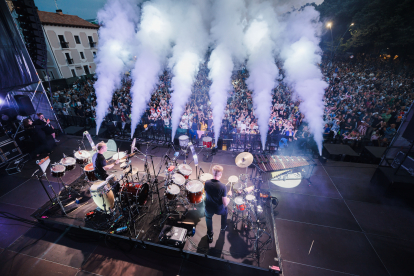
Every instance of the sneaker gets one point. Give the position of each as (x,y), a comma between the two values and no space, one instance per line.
(224,229)
(57,141)
(210,238)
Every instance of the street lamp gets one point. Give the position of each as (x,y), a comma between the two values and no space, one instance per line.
(329,25)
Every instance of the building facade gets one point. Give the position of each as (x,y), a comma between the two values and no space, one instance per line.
(72,44)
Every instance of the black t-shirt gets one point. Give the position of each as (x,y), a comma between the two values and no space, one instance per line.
(215,191)
(99,162)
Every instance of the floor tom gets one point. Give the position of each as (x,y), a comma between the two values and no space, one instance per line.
(195,191)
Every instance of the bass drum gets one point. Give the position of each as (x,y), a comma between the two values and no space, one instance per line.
(135,192)
(102,195)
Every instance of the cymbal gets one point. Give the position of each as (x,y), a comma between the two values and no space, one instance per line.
(244,159)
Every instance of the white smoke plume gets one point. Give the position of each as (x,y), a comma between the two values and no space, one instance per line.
(260,40)
(301,54)
(119,19)
(226,31)
(190,21)
(154,40)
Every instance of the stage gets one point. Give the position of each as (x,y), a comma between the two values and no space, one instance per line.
(237,244)
(339,223)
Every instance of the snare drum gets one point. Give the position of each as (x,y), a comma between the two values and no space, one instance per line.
(239,203)
(184,140)
(102,195)
(195,191)
(57,170)
(69,163)
(82,157)
(136,190)
(250,198)
(90,172)
(185,170)
(207,142)
(204,177)
(178,179)
(172,191)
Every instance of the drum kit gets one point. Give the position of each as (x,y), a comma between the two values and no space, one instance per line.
(245,205)
(180,189)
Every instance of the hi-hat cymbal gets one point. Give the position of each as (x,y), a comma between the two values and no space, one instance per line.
(244,159)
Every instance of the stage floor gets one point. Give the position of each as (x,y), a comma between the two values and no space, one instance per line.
(339,224)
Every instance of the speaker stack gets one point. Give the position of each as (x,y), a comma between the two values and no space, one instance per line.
(31,26)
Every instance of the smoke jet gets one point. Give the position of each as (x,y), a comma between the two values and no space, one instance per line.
(118,18)
(227,31)
(260,42)
(301,54)
(154,40)
(190,24)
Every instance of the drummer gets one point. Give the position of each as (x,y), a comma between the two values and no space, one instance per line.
(99,162)
(216,201)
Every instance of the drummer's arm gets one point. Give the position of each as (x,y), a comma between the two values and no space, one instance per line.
(108,167)
(226,200)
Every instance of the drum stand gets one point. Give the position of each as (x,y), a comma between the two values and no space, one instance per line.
(39,177)
(67,188)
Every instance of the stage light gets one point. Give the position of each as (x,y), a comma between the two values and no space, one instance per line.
(352,24)
(329,25)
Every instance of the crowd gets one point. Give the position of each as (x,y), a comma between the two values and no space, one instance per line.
(366,100)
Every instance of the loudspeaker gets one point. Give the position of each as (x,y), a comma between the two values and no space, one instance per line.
(25,105)
(34,38)
(409,131)
(220,143)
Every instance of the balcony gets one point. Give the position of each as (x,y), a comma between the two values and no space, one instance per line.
(64,45)
(92,44)
(70,60)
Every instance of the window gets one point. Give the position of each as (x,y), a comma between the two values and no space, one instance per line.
(61,38)
(86,68)
(77,40)
(63,43)
(82,55)
(44,73)
(91,43)
(68,58)
(94,54)
(73,72)
(53,76)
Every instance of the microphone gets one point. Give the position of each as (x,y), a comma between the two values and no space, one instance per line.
(35,172)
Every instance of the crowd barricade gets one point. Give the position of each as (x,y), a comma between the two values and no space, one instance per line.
(162,134)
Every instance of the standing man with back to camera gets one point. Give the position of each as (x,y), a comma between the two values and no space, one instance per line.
(216,201)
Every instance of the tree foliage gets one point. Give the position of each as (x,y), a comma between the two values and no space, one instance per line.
(378,24)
